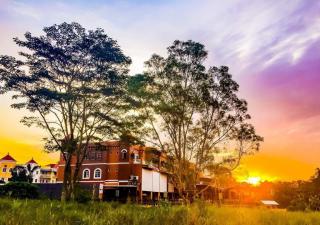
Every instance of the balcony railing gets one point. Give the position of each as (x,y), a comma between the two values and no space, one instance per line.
(137,161)
(46,175)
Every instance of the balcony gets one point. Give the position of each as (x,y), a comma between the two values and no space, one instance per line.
(137,161)
(46,176)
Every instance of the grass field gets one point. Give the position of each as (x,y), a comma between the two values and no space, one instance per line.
(45,212)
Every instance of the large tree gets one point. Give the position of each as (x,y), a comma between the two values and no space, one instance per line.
(194,113)
(75,84)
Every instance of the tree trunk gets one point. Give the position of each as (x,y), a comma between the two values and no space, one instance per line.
(67,188)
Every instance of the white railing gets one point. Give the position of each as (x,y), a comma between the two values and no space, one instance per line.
(137,161)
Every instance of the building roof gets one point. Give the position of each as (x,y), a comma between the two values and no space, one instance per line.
(270,202)
(8,158)
(32,161)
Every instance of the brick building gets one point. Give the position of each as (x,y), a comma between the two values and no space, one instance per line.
(122,171)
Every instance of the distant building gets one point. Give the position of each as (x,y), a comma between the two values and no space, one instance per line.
(46,174)
(7,163)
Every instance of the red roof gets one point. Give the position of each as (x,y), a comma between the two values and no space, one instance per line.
(32,161)
(7,158)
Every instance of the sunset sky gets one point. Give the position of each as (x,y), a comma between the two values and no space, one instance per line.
(272,48)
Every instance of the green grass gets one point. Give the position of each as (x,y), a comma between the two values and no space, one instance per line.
(45,212)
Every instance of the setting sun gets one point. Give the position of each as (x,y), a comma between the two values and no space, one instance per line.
(254,180)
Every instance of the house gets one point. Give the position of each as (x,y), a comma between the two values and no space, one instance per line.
(121,171)
(46,174)
(7,163)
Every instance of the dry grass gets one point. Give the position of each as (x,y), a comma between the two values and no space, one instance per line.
(42,212)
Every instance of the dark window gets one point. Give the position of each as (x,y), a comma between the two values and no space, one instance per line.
(91,148)
(100,147)
(86,157)
(99,155)
(86,174)
(124,154)
(92,155)
(97,173)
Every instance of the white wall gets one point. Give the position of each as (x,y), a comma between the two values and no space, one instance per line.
(163,183)
(36,175)
(153,181)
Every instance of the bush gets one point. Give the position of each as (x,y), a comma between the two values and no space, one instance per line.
(82,195)
(20,190)
(2,192)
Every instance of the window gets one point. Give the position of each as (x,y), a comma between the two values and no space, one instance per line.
(99,155)
(92,155)
(86,156)
(97,173)
(124,154)
(86,174)
(4,169)
(91,148)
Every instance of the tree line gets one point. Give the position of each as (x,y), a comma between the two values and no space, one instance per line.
(77,85)
(300,195)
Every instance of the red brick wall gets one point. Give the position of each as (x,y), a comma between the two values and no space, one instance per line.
(111,163)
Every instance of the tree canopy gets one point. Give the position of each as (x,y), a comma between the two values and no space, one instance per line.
(194,113)
(75,83)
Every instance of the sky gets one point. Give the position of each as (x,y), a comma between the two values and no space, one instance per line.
(271,47)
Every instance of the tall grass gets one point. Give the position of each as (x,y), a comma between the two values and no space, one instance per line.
(44,212)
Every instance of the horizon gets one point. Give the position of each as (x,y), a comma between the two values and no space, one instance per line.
(274,57)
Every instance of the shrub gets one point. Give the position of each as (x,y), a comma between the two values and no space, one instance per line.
(82,195)
(2,191)
(20,190)
(299,203)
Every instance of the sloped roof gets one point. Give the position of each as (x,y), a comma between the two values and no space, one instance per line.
(8,158)
(32,161)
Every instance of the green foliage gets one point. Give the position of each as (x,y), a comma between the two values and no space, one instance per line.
(82,195)
(74,82)
(19,190)
(300,196)
(22,173)
(193,112)
(285,192)
(19,176)
(25,212)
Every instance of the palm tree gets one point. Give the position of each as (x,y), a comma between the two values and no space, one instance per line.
(23,173)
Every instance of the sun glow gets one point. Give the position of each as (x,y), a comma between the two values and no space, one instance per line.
(254,180)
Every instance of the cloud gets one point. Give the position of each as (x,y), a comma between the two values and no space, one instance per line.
(237,33)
